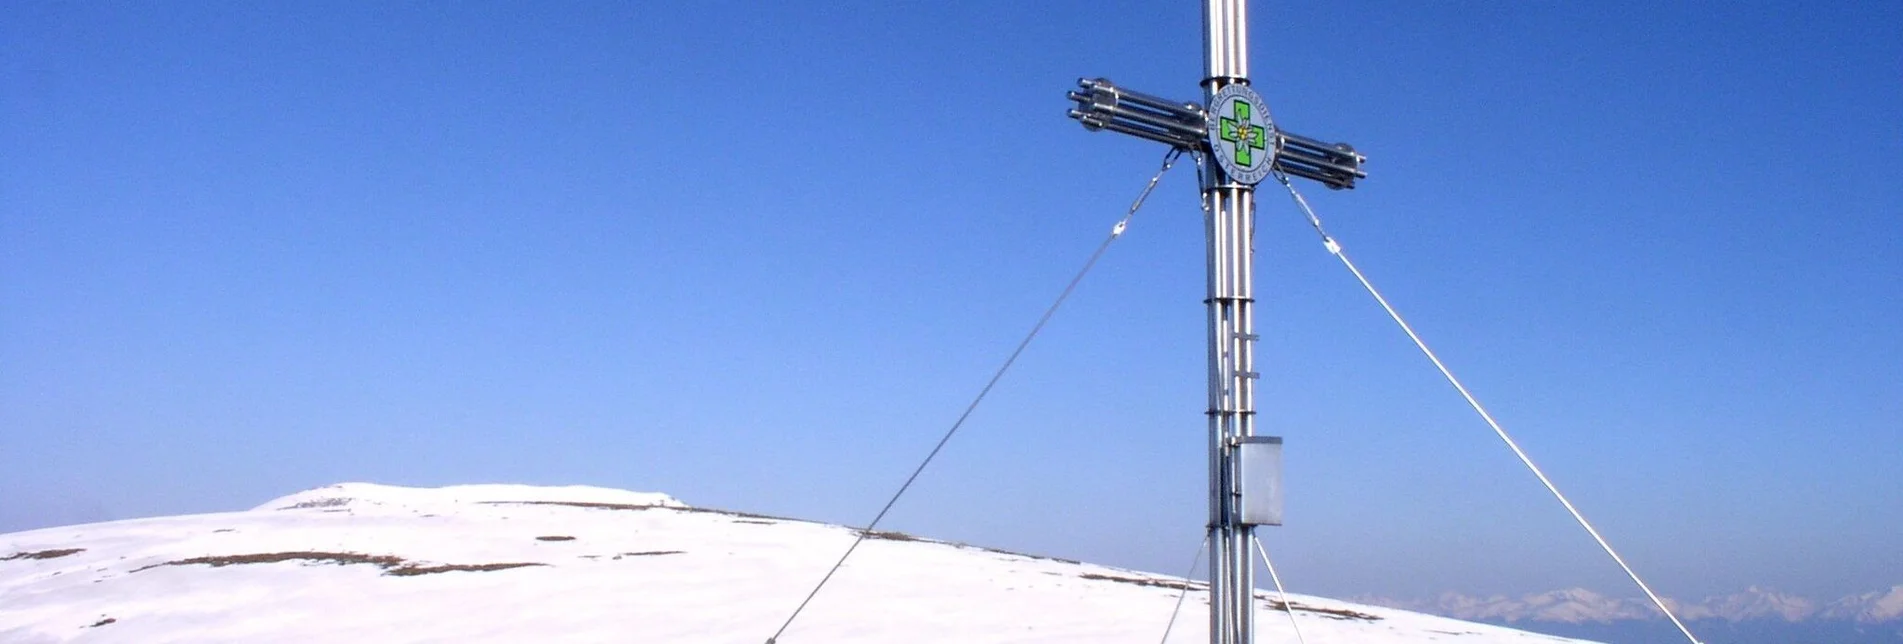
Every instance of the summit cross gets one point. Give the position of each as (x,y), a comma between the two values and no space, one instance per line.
(1230,129)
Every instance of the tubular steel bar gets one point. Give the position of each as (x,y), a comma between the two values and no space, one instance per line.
(1229,220)
(1104,106)
(1335,165)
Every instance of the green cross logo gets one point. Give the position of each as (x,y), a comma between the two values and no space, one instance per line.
(1247,137)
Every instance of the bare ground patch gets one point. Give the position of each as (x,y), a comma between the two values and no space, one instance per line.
(338,558)
(890,535)
(1177,584)
(1331,613)
(637,507)
(901,536)
(749,517)
(392,565)
(1147,582)
(43,554)
(1002,551)
(414,570)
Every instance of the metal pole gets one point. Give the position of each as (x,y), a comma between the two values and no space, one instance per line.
(1229,224)
(1241,147)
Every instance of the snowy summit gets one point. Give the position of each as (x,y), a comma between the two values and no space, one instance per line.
(508,563)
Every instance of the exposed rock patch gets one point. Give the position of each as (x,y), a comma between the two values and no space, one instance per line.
(43,554)
(392,565)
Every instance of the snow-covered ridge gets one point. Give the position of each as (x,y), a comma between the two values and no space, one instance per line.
(504,563)
(361,495)
(1872,607)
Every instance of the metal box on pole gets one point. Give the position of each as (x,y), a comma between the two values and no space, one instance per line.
(1259,459)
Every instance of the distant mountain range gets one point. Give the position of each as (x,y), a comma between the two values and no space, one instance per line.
(1580,606)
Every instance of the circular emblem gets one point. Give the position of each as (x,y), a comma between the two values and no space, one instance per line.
(1241,135)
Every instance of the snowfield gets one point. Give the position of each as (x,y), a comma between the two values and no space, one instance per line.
(504,563)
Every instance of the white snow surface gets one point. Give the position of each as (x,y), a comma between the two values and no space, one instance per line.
(360,562)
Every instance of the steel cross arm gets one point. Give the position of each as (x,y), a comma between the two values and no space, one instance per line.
(1101,105)
(1336,165)
(1104,106)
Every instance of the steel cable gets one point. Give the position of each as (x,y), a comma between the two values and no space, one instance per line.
(1185,591)
(1280,592)
(1116,231)
(1334,248)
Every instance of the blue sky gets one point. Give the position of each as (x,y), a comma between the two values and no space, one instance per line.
(759,255)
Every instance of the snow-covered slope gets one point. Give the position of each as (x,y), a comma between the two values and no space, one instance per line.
(501,563)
